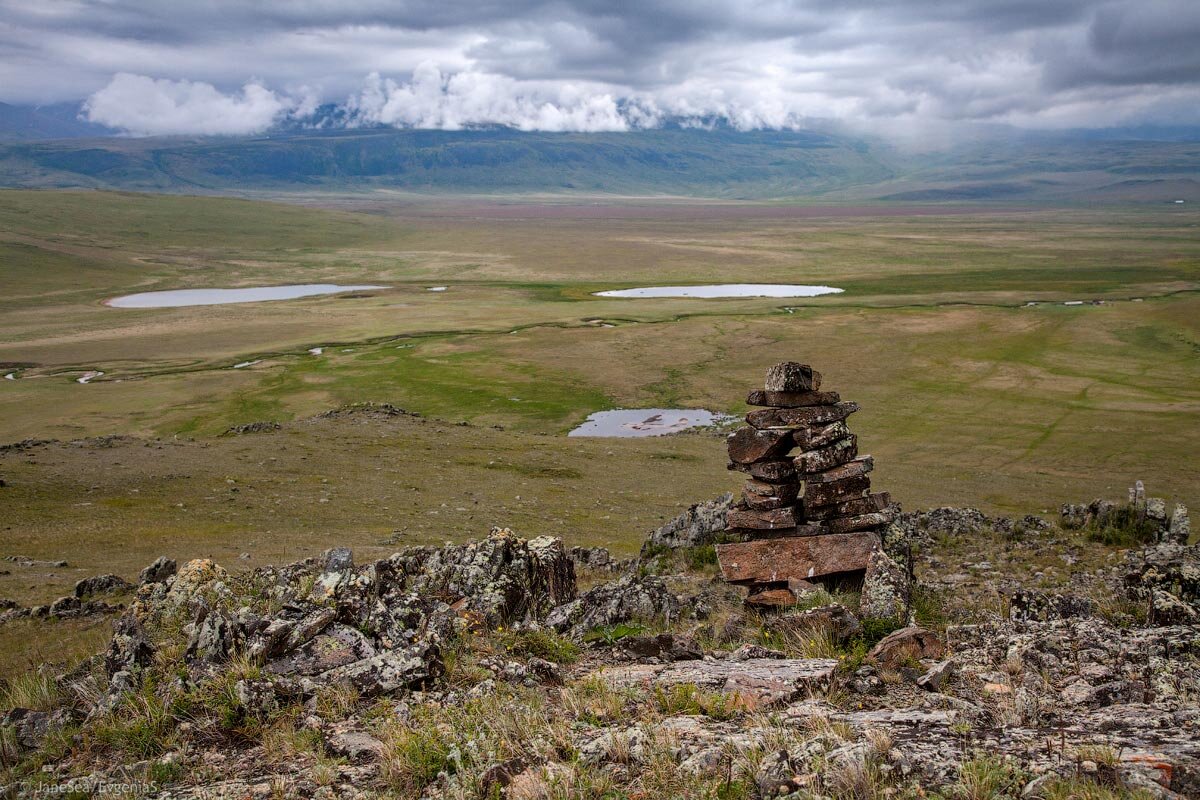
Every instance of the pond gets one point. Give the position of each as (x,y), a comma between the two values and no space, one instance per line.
(645,421)
(177,298)
(726,290)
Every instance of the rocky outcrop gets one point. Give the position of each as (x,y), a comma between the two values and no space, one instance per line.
(701,524)
(377,628)
(632,598)
(159,571)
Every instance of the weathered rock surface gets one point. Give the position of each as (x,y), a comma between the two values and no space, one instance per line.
(801,417)
(907,644)
(886,590)
(756,682)
(791,376)
(760,397)
(826,458)
(101,584)
(159,571)
(748,445)
(630,598)
(771,560)
(699,525)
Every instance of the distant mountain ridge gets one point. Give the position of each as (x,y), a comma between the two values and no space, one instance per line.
(59,121)
(51,148)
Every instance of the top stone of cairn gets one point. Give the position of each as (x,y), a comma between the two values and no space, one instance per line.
(792,377)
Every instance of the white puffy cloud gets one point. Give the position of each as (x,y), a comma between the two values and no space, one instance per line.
(465,99)
(154,107)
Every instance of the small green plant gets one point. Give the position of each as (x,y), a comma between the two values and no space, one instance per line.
(1125,526)
(611,634)
(1081,788)
(698,558)
(33,690)
(686,698)
(988,778)
(544,644)
(139,727)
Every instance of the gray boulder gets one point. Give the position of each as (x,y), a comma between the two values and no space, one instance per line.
(159,571)
(101,584)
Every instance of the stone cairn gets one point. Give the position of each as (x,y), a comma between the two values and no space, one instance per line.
(807,513)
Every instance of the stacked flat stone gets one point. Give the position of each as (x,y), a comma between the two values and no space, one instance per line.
(807,510)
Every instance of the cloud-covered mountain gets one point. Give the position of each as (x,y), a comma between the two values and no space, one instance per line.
(918,69)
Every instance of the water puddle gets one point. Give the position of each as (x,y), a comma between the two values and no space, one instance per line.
(316,351)
(245,364)
(725,290)
(215,297)
(646,421)
(436,289)
(89,376)
(12,376)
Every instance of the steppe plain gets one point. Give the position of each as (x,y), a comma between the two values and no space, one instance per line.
(979,386)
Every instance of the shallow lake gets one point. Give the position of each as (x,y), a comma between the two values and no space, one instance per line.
(645,421)
(177,298)
(726,290)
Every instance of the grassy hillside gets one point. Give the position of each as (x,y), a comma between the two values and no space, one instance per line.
(699,163)
(717,163)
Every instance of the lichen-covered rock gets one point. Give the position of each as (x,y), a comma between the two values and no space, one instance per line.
(129,648)
(630,598)
(886,589)
(1027,606)
(1167,609)
(30,728)
(213,638)
(598,558)
(699,525)
(196,580)
(1180,528)
(101,584)
(159,571)
(411,668)
(502,578)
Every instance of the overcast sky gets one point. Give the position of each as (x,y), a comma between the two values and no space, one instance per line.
(224,67)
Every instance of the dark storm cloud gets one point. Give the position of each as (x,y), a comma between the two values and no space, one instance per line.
(233,67)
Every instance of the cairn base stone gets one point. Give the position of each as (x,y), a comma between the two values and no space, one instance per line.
(806,557)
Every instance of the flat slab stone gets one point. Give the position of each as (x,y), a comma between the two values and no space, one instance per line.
(817,495)
(852,508)
(760,397)
(757,682)
(748,445)
(768,471)
(801,416)
(828,457)
(852,469)
(766,520)
(769,560)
